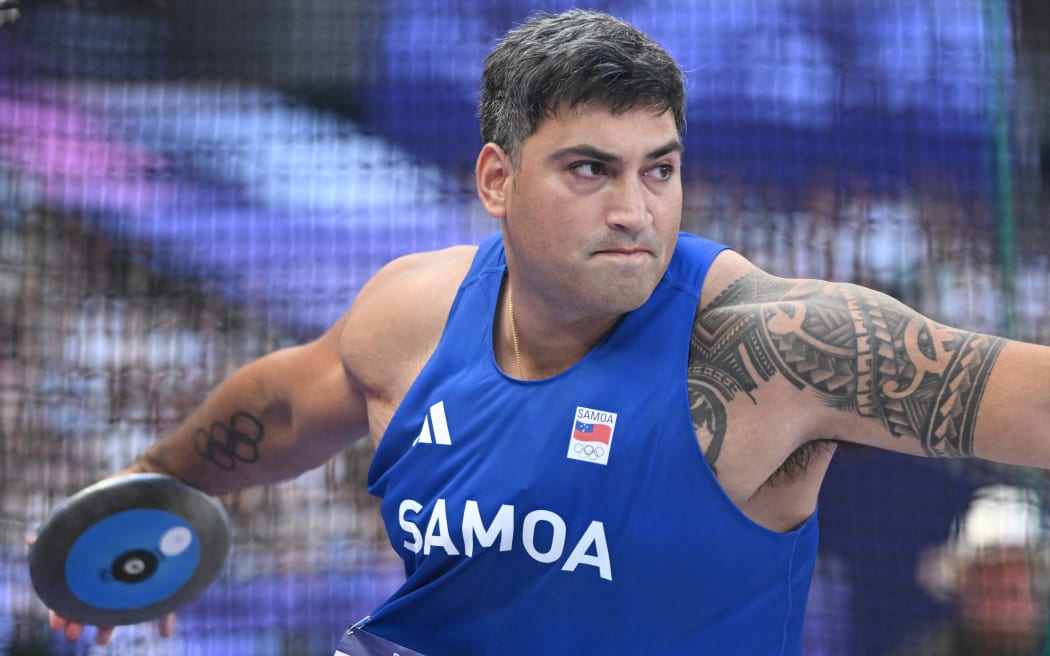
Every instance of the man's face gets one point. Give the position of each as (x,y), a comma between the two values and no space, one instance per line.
(998,602)
(594,209)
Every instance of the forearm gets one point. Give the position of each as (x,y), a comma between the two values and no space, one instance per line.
(270,421)
(227,443)
(1014,419)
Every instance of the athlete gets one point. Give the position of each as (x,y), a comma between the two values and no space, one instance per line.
(595,434)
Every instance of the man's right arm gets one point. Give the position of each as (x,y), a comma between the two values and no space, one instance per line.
(273,419)
(292,410)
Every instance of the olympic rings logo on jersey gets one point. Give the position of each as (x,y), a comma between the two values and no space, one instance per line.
(591,435)
(589,450)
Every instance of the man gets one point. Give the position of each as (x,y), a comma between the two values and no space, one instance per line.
(993,568)
(593,434)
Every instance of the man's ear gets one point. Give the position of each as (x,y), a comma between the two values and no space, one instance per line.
(493,173)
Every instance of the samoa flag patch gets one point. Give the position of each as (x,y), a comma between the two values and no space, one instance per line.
(592,434)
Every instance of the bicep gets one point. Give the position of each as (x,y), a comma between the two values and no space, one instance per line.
(326,410)
(873,370)
(919,384)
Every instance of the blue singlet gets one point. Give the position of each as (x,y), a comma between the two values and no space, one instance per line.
(575,514)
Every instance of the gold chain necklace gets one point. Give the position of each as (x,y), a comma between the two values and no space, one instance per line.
(514,334)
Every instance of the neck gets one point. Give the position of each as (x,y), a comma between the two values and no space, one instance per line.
(540,350)
(514,335)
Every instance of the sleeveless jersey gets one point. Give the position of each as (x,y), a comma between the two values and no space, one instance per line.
(575,514)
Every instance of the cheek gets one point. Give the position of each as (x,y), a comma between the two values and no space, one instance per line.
(542,203)
(669,224)
(672,208)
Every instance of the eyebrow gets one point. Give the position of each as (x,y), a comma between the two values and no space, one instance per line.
(592,152)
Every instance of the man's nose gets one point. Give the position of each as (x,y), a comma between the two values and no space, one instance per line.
(628,208)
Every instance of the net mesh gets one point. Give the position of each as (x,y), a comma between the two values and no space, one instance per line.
(188,185)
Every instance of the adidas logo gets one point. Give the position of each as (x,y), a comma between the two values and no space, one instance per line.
(435,427)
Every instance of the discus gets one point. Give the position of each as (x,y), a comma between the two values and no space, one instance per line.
(129,549)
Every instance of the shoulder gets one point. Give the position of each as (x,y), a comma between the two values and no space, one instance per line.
(736,283)
(397,318)
(424,280)
(722,283)
(422,267)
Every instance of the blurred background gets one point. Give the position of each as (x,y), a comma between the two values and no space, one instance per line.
(185,185)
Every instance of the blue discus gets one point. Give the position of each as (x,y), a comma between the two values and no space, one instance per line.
(129,550)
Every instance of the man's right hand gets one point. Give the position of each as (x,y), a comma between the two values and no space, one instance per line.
(73,630)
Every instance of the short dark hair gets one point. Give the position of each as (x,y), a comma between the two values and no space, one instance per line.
(570,59)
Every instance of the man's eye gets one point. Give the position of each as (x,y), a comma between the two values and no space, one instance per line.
(662,171)
(589,169)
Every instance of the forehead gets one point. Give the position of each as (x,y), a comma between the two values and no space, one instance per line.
(638,130)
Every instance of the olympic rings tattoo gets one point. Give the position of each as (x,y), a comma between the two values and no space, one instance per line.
(225,445)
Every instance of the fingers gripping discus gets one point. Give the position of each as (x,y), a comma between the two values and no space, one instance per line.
(129,549)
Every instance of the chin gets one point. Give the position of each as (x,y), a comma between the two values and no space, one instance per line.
(624,300)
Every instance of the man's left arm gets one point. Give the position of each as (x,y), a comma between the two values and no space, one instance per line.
(880,373)
(1013,417)
(948,391)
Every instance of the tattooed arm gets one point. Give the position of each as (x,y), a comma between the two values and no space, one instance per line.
(293,409)
(253,429)
(873,370)
(272,419)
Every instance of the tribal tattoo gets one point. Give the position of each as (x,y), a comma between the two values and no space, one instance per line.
(226,445)
(861,351)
